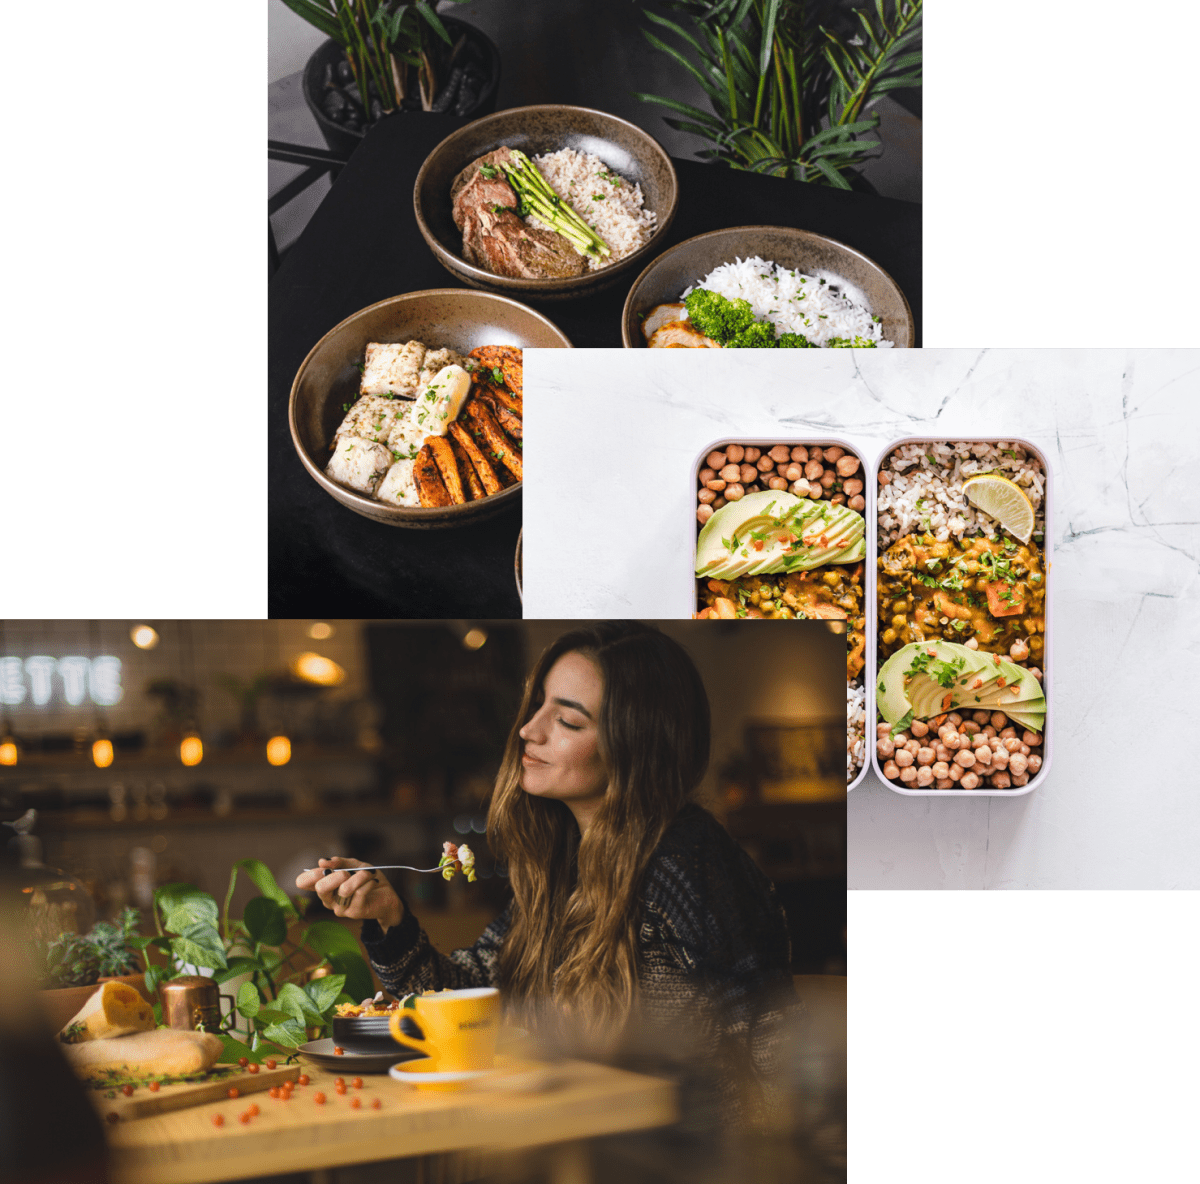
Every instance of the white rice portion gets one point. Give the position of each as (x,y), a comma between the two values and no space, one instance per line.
(856,729)
(932,475)
(793,302)
(606,202)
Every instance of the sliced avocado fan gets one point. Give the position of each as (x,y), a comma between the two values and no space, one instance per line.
(775,531)
(928,678)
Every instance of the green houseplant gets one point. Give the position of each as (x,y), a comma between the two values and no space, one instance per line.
(790,92)
(271,944)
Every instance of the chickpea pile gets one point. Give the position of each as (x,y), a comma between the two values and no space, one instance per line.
(959,751)
(738,469)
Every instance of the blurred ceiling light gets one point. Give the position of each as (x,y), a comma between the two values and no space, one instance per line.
(143,637)
(320,631)
(8,751)
(191,750)
(474,638)
(102,753)
(279,750)
(313,668)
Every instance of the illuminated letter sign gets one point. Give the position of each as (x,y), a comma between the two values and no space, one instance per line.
(32,681)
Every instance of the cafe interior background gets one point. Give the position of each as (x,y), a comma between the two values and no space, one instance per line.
(138,753)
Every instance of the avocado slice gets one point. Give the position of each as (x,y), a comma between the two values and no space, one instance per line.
(727,546)
(1034,720)
(940,668)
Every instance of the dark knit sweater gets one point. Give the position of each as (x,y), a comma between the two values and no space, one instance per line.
(713,954)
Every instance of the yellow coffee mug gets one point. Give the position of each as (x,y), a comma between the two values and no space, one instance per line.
(460,1028)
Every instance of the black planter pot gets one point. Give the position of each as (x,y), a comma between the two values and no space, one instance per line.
(328,54)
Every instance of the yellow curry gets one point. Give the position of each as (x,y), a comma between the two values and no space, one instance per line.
(993,590)
(830,593)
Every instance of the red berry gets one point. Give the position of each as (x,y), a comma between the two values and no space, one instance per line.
(244,1117)
(357,1083)
(251,1068)
(340,1081)
(376,1104)
(337,1052)
(127,1090)
(319,1098)
(243,1062)
(303,1079)
(218,1120)
(254,1111)
(153,1087)
(273,1092)
(234,1092)
(355,1103)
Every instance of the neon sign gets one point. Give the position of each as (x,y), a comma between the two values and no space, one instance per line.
(34,680)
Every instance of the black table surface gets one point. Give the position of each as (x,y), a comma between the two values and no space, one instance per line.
(362,245)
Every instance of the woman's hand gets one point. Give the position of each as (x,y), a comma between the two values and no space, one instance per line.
(361,896)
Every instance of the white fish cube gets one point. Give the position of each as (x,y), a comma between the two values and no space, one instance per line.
(398,488)
(359,464)
(392,368)
(372,418)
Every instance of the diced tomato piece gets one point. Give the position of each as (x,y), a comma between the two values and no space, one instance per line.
(999,607)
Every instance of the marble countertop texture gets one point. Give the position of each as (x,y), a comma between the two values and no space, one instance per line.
(611,439)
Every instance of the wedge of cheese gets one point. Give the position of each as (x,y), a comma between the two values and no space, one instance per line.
(162,1052)
(115,1009)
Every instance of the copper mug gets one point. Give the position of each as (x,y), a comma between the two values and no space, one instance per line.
(192,1000)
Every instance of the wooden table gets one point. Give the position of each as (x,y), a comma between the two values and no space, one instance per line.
(584,1101)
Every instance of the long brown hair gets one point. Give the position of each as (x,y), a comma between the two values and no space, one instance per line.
(573,937)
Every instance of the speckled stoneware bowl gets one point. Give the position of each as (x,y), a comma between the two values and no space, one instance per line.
(517,567)
(668,276)
(624,148)
(441,317)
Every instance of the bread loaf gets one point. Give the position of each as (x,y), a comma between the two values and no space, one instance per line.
(116,1009)
(162,1052)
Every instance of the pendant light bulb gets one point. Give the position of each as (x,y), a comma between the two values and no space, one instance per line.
(191,750)
(102,752)
(8,750)
(279,750)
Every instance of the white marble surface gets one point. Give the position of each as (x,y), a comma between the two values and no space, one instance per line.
(611,440)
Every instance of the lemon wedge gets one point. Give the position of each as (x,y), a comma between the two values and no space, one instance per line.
(1004,501)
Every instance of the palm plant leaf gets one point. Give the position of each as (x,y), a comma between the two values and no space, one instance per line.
(432,18)
(789,93)
(320,16)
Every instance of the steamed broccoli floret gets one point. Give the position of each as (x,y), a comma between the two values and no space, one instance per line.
(758,335)
(794,341)
(717,317)
(847,343)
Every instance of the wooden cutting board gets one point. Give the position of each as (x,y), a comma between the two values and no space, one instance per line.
(144,1102)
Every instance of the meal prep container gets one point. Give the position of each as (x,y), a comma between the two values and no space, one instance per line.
(1048,650)
(666,278)
(868,513)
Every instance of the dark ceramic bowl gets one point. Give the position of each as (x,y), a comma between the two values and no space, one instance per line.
(624,148)
(370,1032)
(442,317)
(664,281)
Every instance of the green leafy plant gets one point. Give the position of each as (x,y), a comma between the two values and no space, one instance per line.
(790,95)
(395,46)
(113,943)
(271,943)
(71,961)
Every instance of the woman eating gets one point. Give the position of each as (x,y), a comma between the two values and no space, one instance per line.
(632,910)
